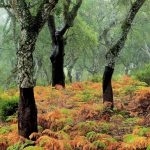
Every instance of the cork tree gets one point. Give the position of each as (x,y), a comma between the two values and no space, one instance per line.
(59,40)
(30,27)
(113,51)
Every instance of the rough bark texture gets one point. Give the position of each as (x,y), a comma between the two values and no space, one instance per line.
(30,27)
(113,52)
(27,113)
(25,58)
(107,86)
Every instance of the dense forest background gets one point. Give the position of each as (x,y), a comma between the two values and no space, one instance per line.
(96,28)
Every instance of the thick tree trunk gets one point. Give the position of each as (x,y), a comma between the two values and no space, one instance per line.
(107,86)
(57,60)
(27,112)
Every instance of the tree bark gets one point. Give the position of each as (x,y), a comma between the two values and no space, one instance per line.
(70,75)
(57,57)
(27,111)
(58,77)
(107,86)
(30,27)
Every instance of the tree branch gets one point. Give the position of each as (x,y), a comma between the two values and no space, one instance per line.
(126,26)
(52,29)
(44,12)
(69,17)
(22,12)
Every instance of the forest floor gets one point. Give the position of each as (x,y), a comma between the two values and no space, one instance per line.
(76,119)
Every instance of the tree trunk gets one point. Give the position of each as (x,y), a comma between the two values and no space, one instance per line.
(107,86)
(70,75)
(78,74)
(27,111)
(57,60)
(113,52)
(126,70)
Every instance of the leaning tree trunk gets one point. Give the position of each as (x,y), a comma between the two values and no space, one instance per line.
(107,78)
(113,52)
(57,60)
(27,111)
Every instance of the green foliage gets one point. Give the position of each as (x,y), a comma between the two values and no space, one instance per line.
(130,89)
(144,74)
(40,129)
(44,140)
(143,131)
(65,111)
(33,148)
(124,113)
(91,135)
(99,145)
(105,126)
(8,108)
(61,134)
(111,140)
(131,120)
(87,96)
(21,146)
(67,146)
(14,147)
(130,138)
(5,130)
(69,121)
(96,78)
(148,148)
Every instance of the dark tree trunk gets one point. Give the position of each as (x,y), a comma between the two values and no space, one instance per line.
(57,57)
(107,86)
(27,113)
(57,60)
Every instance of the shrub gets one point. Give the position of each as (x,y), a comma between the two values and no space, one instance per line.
(8,108)
(27,145)
(5,130)
(99,145)
(96,78)
(144,74)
